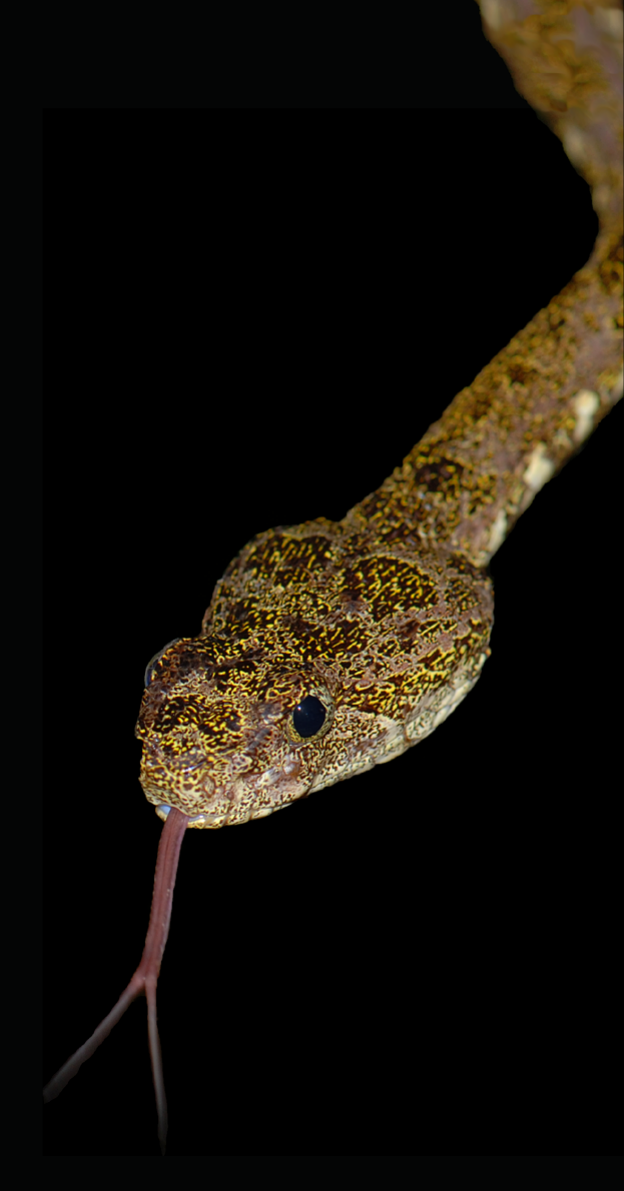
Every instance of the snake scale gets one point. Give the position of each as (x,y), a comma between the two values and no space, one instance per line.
(331,647)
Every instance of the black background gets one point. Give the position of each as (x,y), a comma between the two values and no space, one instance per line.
(242,335)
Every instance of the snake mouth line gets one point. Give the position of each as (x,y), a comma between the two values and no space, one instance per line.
(221,815)
(163,808)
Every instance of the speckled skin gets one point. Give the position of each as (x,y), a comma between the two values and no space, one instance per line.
(388,636)
(385,616)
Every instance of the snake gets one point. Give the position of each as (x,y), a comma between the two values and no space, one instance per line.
(331,647)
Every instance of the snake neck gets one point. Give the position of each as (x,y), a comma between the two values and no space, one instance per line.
(477,469)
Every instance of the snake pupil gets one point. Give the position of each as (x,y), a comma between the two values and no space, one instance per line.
(309,716)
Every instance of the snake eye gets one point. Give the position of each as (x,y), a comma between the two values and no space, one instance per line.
(149,669)
(309,716)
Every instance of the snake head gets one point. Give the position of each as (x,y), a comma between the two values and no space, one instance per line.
(230,738)
(318,659)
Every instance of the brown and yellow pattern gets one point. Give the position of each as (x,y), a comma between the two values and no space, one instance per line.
(384,618)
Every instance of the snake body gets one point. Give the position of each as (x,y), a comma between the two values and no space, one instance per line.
(330,647)
(380,622)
